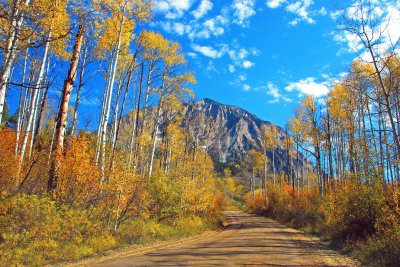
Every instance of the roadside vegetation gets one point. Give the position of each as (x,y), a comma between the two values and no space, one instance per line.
(343,175)
(71,185)
(85,219)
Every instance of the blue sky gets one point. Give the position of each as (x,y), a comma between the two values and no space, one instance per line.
(263,56)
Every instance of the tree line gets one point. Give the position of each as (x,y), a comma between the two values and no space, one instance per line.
(138,165)
(351,137)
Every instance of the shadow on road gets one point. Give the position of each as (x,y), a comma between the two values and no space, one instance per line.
(248,240)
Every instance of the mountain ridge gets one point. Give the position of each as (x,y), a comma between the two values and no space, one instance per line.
(228,132)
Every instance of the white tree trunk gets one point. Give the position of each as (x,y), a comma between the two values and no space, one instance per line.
(35,113)
(103,104)
(78,92)
(22,102)
(153,150)
(32,107)
(10,53)
(115,117)
(108,105)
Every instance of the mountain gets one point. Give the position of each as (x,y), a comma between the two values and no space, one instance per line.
(228,132)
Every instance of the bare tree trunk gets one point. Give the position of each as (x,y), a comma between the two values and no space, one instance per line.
(107,105)
(22,103)
(147,94)
(53,135)
(43,99)
(137,115)
(102,115)
(121,113)
(35,114)
(34,97)
(63,112)
(265,176)
(115,116)
(153,150)
(11,50)
(78,91)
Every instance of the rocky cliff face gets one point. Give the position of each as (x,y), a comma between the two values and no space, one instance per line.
(227,132)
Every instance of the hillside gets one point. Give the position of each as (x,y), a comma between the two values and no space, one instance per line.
(228,132)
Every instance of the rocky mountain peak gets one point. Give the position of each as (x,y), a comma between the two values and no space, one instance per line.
(228,132)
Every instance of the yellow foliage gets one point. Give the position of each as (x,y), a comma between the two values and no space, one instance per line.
(52,17)
(108,31)
(79,176)
(39,231)
(8,161)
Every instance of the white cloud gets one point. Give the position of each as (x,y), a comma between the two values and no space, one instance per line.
(208,51)
(352,41)
(294,22)
(273,101)
(273,90)
(211,67)
(246,87)
(166,26)
(275,3)
(240,81)
(242,11)
(286,99)
(300,8)
(208,28)
(162,6)
(211,25)
(192,55)
(323,11)
(242,53)
(202,34)
(239,56)
(255,51)
(179,28)
(204,7)
(175,27)
(385,18)
(173,9)
(242,77)
(308,86)
(247,64)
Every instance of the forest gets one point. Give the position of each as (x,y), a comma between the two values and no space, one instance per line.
(351,195)
(70,191)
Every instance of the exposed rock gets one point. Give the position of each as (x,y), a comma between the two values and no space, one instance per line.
(228,132)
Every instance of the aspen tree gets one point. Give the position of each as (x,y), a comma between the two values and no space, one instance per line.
(15,23)
(62,114)
(51,26)
(364,24)
(114,39)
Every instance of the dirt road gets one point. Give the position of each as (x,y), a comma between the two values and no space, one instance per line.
(249,240)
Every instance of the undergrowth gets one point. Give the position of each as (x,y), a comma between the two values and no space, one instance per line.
(359,220)
(37,230)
